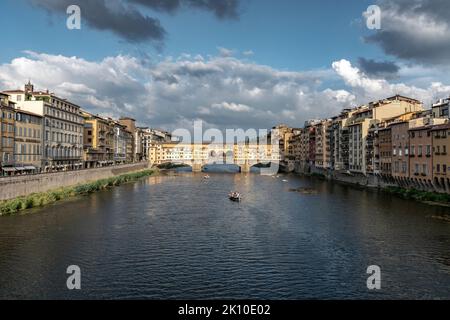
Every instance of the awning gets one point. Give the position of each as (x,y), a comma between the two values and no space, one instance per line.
(9,169)
(20,168)
(30,168)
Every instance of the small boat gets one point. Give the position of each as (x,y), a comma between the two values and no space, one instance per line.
(235,196)
(207,177)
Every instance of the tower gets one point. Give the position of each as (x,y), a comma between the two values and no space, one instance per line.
(29,88)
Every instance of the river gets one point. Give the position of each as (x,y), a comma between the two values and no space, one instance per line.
(178,236)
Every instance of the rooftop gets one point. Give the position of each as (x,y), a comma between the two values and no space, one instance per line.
(441,127)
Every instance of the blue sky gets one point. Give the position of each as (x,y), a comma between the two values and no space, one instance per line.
(297,35)
(170,66)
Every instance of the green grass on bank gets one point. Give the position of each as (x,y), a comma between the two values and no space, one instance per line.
(412,194)
(45,198)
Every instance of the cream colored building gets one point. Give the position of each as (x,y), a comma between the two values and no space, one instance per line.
(198,155)
(62,129)
(364,117)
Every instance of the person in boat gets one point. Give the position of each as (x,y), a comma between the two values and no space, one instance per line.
(235,195)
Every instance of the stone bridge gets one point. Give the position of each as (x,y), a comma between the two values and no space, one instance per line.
(197,156)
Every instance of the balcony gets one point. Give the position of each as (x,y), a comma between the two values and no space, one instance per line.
(62,158)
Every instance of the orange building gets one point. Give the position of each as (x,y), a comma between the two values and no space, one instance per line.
(421,161)
(441,158)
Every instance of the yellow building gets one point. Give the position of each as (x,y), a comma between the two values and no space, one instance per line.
(98,141)
(199,155)
(28,141)
(7,122)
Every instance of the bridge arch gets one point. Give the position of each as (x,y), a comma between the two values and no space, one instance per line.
(173,165)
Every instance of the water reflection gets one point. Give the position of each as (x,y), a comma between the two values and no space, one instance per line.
(178,236)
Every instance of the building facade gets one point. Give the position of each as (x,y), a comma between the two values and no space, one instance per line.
(63,127)
(28,141)
(368,116)
(385,151)
(151,136)
(441,159)
(130,137)
(98,141)
(120,141)
(441,108)
(400,150)
(7,135)
(421,162)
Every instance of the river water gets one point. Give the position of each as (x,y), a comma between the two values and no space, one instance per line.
(179,237)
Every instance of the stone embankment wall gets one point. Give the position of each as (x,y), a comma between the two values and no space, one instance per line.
(13,187)
(372,181)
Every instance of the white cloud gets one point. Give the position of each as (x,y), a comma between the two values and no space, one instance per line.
(368,89)
(224,52)
(224,92)
(236,107)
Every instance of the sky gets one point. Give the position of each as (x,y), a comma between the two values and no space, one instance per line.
(230,63)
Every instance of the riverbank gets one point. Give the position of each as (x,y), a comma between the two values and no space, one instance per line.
(42,199)
(431,198)
(22,186)
(428,197)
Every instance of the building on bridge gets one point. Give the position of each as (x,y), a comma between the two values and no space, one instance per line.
(197,156)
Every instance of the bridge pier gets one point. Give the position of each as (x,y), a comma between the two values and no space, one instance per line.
(245,168)
(197,167)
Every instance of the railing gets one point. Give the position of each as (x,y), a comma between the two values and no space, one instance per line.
(62,158)
(81,169)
